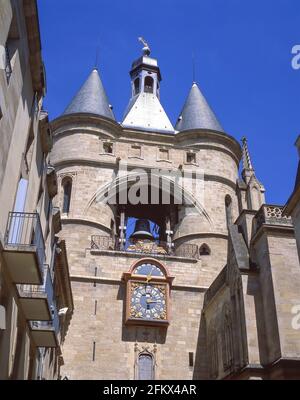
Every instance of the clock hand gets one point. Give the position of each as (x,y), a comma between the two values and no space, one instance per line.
(149,301)
(149,276)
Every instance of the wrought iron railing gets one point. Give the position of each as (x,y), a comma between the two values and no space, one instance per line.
(52,324)
(46,288)
(145,247)
(24,231)
(271,215)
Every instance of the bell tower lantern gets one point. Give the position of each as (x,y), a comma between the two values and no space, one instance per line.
(145,73)
(144,110)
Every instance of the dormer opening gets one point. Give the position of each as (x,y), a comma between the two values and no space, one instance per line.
(148,84)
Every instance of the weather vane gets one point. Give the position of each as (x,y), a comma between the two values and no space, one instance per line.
(146,48)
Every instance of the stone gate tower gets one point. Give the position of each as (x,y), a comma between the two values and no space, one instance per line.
(152,297)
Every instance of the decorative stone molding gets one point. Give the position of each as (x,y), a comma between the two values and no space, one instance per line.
(51,180)
(271,215)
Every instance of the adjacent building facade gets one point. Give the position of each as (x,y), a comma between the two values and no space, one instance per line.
(179,269)
(36,302)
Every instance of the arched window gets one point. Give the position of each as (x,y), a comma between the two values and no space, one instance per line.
(145,367)
(149,84)
(204,250)
(67,186)
(137,86)
(228,206)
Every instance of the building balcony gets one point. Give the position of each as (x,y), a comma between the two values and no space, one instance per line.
(46,333)
(24,248)
(36,300)
(271,215)
(145,247)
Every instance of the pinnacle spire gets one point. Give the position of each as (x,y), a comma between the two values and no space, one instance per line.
(247,164)
(196,113)
(91,98)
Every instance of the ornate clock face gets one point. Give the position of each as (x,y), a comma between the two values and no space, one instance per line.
(148,301)
(148,269)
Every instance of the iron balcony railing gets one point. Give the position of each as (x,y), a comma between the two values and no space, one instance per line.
(52,324)
(45,289)
(24,232)
(145,247)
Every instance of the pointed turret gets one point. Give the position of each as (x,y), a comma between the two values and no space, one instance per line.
(253,188)
(196,113)
(91,98)
(247,164)
(144,110)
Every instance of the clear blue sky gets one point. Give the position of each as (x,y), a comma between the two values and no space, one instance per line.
(243,65)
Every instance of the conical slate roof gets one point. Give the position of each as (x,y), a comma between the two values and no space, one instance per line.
(91,98)
(196,113)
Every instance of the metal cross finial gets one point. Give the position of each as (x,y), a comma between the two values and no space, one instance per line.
(146,49)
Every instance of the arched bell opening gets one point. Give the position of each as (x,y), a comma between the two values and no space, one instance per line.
(147,226)
(154,201)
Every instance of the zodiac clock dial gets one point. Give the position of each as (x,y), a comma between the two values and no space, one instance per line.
(148,301)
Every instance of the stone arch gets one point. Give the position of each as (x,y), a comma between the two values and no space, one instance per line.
(107,193)
(204,250)
(153,261)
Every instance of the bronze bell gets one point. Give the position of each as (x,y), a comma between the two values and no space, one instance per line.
(142,230)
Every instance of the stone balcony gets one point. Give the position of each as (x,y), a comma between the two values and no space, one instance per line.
(271,215)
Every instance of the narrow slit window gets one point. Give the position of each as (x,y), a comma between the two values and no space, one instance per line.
(137,86)
(94,351)
(67,187)
(191,359)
